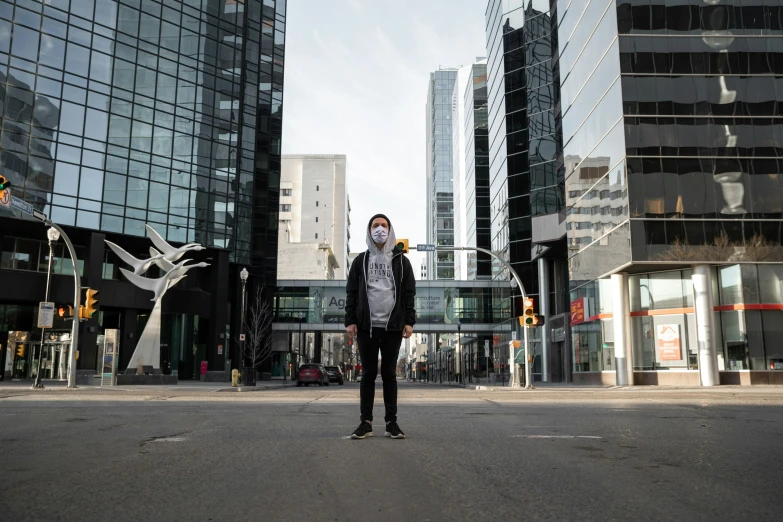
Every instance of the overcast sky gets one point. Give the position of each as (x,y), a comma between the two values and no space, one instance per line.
(356,77)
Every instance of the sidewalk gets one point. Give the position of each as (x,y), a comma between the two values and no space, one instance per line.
(9,385)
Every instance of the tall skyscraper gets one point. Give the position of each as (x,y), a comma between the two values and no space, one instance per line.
(123,113)
(440,183)
(314,206)
(476,178)
(525,153)
(669,172)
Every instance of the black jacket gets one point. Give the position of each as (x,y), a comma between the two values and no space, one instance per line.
(357,307)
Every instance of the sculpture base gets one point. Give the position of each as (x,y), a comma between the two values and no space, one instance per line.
(127,380)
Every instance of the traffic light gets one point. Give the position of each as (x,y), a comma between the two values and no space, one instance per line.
(529,317)
(64,311)
(402,244)
(89,304)
(3,183)
(20,350)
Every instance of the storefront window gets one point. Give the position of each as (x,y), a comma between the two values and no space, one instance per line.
(735,346)
(730,285)
(773,338)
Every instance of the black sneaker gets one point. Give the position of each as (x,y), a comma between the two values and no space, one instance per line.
(364,430)
(394,431)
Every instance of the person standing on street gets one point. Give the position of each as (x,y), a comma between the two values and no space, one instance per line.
(379,313)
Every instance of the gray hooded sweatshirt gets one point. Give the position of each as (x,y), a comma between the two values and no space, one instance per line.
(380,279)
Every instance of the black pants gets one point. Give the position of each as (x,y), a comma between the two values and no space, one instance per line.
(388,345)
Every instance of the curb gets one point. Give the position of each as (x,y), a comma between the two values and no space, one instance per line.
(245,389)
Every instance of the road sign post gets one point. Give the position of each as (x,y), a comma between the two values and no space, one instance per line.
(45,315)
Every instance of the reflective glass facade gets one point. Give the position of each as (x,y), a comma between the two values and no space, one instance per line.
(525,142)
(440,183)
(121,113)
(477,205)
(672,133)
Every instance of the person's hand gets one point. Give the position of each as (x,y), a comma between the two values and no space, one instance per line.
(351,329)
(407,331)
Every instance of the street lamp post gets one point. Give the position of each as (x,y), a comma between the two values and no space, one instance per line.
(461,356)
(53,235)
(243,275)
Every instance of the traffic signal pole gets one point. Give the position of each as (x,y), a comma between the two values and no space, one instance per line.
(77,282)
(528,368)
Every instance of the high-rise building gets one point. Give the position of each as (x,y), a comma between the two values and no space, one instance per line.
(458,170)
(664,168)
(672,142)
(476,177)
(525,159)
(314,207)
(118,114)
(440,182)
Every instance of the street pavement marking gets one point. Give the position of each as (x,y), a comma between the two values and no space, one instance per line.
(168,439)
(556,437)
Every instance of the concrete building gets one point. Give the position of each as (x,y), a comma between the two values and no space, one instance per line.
(314,205)
(306,261)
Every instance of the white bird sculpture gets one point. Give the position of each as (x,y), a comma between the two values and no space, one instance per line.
(169,252)
(161,284)
(140,266)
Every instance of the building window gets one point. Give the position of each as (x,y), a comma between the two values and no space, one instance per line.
(317,188)
(285,208)
(286,192)
(33,256)
(316,235)
(316,203)
(316,219)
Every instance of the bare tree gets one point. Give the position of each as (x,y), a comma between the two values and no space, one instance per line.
(258,328)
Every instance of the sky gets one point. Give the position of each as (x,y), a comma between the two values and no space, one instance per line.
(356,78)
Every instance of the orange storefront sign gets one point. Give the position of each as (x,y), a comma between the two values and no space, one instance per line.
(578,311)
(669,342)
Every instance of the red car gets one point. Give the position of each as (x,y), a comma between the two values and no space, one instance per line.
(312,373)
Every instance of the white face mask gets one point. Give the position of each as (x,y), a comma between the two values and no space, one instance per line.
(380,234)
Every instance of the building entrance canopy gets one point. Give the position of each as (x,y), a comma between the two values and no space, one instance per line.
(441,306)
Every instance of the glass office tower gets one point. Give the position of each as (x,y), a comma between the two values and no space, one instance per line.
(477,223)
(672,144)
(440,184)
(118,114)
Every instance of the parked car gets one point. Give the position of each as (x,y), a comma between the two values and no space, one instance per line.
(312,373)
(335,374)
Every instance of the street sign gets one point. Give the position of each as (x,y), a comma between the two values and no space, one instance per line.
(22,205)
(39,215)
(486,348)
(241,337)
(5,198)
(514,335)
(45,315)
(425,248)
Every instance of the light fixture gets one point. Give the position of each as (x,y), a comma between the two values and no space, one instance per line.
(53,234)
(244,274)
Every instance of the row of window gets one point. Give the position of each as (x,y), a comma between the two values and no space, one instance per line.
(748,137)
(709,63)
(640,16)
(683,240)
(32,255)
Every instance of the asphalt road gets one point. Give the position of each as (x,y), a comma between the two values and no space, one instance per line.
(283,455)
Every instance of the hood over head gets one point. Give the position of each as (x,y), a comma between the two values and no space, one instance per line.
(391,241)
